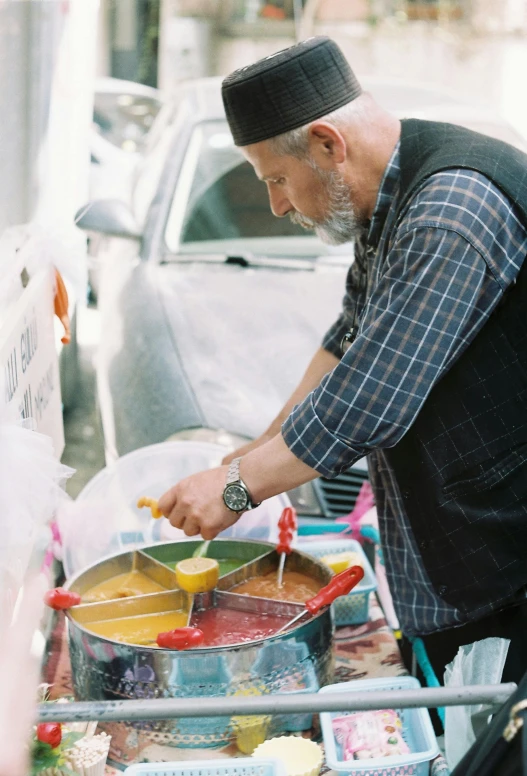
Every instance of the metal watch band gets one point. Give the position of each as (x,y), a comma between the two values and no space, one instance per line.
(233,475)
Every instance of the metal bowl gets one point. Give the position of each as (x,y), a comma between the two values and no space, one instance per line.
(296,660)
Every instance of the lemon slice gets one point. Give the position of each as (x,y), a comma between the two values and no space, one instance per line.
(197,575)
(340,561)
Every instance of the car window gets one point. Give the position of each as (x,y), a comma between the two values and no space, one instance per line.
(219,198)
(124,119)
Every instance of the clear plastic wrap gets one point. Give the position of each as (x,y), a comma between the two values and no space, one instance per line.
(30,248)
(30,490)
(105,518)
(479,663)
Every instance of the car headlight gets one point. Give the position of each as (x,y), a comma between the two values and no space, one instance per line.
(216,436)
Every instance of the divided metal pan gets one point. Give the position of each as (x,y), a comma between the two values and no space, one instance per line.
(298,660)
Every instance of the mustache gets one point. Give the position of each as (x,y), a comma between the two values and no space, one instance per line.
(303,221)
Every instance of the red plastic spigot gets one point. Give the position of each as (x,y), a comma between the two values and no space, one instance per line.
(180,638)
(341,584)
(287,526)
(59,598)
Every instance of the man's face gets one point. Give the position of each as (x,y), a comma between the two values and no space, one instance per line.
(340,224)
(313,198)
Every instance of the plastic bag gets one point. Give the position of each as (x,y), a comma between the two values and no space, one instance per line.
(105,518)
(89,531)
(479,663)
(30,490)
(28,248)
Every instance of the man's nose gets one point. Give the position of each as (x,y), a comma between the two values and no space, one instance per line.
(280,205)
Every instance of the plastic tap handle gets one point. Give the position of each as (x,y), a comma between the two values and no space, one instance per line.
(288,519)
(285,537)
(341,584)
(59,598)
(180,638)
(287,525)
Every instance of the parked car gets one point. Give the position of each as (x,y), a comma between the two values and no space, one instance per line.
(211,307)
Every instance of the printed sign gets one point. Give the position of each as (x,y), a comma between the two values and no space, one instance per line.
(29,360)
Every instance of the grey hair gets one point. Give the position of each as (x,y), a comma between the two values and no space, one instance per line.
(296,141)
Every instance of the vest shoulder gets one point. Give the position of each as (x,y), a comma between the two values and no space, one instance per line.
(429,147)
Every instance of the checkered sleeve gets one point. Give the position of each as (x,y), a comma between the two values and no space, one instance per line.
(421,314)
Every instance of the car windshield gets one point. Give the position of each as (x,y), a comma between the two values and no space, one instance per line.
(220,206)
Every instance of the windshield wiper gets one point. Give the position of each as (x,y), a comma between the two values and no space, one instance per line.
(241,261)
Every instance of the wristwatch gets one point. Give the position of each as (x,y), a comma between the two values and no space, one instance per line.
(236,495)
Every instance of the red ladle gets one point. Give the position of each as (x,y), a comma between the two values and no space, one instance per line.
(341,584)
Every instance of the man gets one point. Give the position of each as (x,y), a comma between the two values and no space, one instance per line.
(423,370)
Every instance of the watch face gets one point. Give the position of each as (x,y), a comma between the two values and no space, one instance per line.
(235,497)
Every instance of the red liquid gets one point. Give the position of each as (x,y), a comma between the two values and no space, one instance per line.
(228,626)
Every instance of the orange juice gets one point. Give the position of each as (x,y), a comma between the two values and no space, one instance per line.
(139,630)
(125,585)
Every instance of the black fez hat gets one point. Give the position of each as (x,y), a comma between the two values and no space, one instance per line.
(287,90)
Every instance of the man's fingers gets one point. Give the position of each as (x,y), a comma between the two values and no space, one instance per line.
(191,526)
(209,533)
(176,518)
(168,501)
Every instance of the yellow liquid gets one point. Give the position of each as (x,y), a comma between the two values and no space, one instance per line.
(122,586)
(140,630)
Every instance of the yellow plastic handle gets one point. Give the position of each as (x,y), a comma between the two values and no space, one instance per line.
(144,501)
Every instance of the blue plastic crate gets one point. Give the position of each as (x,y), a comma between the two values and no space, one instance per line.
(237,766)
(351,609)
(417,732)
(275,661)
(204,677)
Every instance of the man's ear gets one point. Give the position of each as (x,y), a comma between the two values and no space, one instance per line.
(327,145)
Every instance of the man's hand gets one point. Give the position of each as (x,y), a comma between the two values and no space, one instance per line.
(195,504)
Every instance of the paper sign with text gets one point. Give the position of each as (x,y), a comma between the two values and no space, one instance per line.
(29,360)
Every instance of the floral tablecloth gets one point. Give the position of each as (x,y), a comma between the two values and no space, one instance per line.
(361,651)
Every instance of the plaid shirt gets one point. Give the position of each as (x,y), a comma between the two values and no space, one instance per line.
(419,302)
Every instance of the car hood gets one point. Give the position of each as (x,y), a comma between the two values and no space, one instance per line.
(246,335)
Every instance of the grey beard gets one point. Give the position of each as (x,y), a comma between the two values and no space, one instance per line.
(342,224)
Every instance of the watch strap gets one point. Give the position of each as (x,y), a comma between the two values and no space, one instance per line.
(233,476)
(233,472)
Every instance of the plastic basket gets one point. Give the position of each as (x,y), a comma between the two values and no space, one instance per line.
(303,679)
(242,766)
(417,732)
(351,609)
(293,723)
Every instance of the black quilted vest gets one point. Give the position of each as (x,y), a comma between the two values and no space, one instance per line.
(462,466)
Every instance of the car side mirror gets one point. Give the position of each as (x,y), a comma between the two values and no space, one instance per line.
(108,216)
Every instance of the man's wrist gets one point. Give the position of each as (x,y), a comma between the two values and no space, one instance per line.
(272,468)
